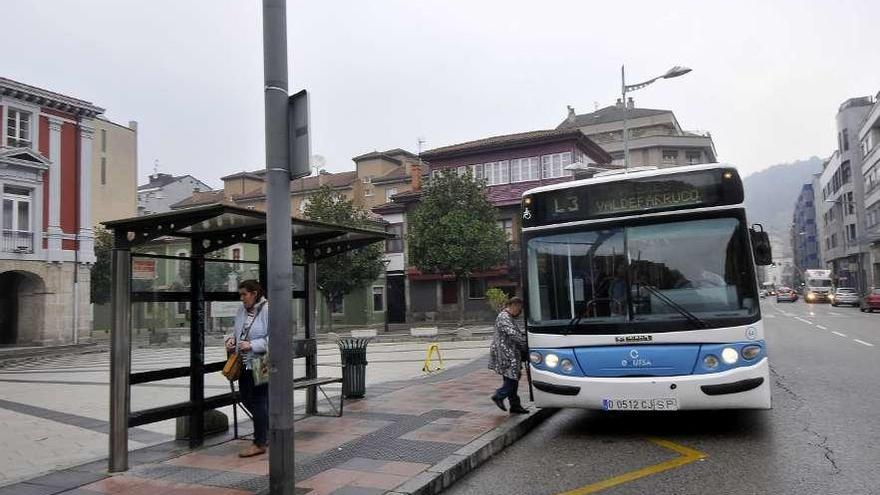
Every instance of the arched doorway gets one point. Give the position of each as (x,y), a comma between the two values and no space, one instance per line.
(21,307)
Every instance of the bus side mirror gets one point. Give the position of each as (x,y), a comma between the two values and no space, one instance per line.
(761,245)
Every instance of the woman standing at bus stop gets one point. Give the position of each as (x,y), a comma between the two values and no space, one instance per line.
(251,336)
(506,356)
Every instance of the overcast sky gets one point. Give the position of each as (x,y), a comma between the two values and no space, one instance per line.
(766,83)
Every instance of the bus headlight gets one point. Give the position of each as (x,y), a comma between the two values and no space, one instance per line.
(710,362)
(535,358)
(551,360)
(729,355)
(566,366)
(751,351)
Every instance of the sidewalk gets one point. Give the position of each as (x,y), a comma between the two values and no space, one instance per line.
(412,436)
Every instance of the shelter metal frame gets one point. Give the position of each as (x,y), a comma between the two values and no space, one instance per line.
(209,228)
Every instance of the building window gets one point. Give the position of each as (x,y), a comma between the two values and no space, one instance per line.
(18,129)
(851,232)
(476,288)
(16,210)
(507,226)
(496,173)
(477,171)
(845,174)
(378,299)
(368,190)
(461,170)
(554,165)
(395,245)
(103,140)
(850,204)
(103,171)
(845,136)
(524,169)
(390,191)
(236,254)
(337,305)
(693,157)
(670,156)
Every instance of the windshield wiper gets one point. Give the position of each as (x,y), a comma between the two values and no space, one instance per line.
(572,324)
(674,305)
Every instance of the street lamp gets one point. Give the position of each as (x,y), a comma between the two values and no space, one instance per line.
(673,72)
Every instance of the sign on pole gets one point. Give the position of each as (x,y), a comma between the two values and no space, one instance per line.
(298,140)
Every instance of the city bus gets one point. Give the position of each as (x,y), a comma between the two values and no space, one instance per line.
(641,293)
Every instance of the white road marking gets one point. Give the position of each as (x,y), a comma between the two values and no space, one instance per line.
(838,333)
(864,343)
(770,316)
(832,313)
(820,327)
(808,322)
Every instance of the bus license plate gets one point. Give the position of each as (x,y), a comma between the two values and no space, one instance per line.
(666,404)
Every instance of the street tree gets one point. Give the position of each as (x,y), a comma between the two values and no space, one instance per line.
(340,275)
(454,231)
(101,270)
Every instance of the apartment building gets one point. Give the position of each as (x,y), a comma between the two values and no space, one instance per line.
(47,244)
(869,140)
(804,237)
(840,200)
(655,136)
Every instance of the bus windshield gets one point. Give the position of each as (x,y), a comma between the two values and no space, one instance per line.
(692,274)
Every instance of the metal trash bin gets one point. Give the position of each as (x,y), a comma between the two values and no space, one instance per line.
(354,366)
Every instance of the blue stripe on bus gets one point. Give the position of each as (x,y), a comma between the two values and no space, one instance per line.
(647,360)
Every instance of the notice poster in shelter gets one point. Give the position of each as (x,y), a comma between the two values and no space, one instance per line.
(143,269)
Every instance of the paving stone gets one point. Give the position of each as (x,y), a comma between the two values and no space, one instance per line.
(67,479)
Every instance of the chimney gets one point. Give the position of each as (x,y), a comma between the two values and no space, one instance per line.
(630,103)
(619,103)
(133,125)
(571,114)
(415,172)
(323,177)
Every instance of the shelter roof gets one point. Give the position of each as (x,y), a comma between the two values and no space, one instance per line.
(220,225)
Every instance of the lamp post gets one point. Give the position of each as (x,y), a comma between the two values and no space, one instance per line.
(625,88)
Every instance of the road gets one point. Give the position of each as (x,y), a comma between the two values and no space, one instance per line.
(821,437)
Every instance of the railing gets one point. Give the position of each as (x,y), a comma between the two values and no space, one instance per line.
(15,241)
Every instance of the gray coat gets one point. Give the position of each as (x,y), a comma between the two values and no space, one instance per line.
(508,347)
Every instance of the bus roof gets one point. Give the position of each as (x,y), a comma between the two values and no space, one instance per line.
(626,176)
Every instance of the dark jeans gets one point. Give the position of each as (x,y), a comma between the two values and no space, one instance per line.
(508,391)
(256,400)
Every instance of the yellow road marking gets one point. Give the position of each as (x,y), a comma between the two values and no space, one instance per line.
(687,456)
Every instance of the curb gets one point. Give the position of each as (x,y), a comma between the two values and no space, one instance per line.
(466,459)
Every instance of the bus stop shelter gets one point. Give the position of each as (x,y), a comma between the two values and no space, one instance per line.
(206,229)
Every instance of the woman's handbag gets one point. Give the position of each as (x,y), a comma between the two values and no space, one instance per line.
(232,368)
(260,369)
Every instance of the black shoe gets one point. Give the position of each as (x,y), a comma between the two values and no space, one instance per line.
(518,409)
(499,403)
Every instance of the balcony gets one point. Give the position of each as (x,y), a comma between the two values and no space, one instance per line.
(15,241)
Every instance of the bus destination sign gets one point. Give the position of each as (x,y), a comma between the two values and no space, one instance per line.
(640,195)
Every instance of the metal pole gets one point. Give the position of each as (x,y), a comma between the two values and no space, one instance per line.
(279,247)
(625,129)
(197,343)
(311,326)
(120,358)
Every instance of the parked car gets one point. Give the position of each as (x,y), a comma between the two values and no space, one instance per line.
(763,293)
(844,295)
(786,294)
(871,300)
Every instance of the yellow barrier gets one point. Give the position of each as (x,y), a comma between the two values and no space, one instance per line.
(431,350)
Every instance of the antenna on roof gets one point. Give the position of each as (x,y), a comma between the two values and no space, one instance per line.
(421,142)
(595,106)
(156,167)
